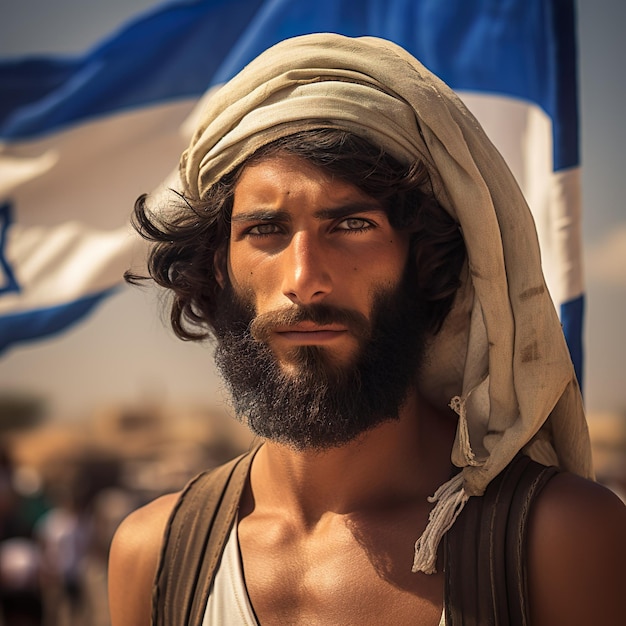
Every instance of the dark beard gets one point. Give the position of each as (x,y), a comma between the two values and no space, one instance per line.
(323,404)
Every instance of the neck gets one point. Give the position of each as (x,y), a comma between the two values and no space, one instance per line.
(393,463)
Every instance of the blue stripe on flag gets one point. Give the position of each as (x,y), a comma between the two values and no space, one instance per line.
(521,48)
(168,54)
(572,314)
(524,49)
(35,324)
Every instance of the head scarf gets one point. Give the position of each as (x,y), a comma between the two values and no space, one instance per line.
(500,361)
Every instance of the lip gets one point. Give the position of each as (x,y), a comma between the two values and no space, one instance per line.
(310,327)
(307,333)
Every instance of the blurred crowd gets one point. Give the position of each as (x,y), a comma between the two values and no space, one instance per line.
(57,517)
(54,546)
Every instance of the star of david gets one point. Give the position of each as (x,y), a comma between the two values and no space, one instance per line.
(8,282)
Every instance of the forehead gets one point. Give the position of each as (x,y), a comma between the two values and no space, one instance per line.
(292,178)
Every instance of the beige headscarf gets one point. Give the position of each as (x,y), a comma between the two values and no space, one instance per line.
(501,361)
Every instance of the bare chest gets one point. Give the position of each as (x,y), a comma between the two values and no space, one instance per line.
(346,572)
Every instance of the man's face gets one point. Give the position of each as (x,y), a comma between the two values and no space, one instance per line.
(299,238)
(319,330)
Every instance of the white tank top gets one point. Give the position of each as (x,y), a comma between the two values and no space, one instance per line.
(228,603)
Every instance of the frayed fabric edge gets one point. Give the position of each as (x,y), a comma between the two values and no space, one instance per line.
(450,499)
(459,406)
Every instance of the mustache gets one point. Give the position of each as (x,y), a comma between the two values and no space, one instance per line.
(264,324)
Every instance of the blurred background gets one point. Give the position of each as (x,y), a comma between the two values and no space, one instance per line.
(99,419)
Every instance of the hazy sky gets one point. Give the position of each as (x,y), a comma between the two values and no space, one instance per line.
(124,353)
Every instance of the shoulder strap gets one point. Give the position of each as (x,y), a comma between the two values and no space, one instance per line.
(194,540)
(484,552)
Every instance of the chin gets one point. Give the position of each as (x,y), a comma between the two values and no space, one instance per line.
(301,360)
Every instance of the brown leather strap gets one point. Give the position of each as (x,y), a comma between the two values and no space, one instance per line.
(194,541)
(484,552)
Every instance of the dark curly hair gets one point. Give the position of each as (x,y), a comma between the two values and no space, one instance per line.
(188,242)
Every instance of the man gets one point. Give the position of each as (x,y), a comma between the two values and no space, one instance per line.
(364,258)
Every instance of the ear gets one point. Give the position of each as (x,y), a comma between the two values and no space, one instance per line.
(220,266)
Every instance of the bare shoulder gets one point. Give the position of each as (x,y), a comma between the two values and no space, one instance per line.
(577,554)
(133,561)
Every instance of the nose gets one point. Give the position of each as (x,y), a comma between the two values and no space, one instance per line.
(306,278)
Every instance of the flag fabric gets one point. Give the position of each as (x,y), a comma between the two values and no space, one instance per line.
(82,137)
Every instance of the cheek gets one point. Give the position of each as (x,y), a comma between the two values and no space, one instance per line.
(240,267)
(251,278)
(390,261)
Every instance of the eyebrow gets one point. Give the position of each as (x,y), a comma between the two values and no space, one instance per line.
(260,215)
(266,215)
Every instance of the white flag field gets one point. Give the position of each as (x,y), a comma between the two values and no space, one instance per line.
(82,137)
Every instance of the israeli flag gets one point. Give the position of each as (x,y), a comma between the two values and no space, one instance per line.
(81,138)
